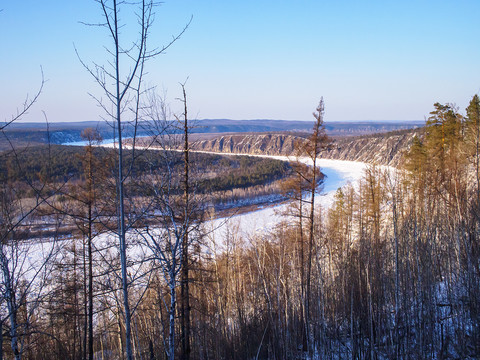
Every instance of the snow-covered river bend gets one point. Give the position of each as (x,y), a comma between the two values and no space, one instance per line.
(338,173)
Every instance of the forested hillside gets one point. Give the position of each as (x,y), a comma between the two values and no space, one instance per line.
(159,237)
(393,272)
(230,181)
(390,270)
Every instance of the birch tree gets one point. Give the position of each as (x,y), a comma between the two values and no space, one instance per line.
(122,83)
(176,209)
(22,276)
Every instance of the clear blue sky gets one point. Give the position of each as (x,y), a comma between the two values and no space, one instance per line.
(370,60)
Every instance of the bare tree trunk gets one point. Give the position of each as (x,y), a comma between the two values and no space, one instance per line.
(303,304)
(173,304)
(75,305)
(397,271)
(370,313)
(90,283)
(123,247)
(12,312)
(85,299)
(309,261)
(120,190)
(91,136)
(185,291)
(317,141)
(120,337)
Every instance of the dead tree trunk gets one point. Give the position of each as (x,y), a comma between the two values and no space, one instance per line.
(185,291)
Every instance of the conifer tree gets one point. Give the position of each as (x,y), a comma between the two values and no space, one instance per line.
(473,138)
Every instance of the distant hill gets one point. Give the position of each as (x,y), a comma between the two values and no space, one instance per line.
(61,133)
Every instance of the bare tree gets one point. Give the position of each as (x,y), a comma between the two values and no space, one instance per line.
(174,206)
(92,137)
(121,82)
(185,304)
(24,264)
(21,279)
(165,242)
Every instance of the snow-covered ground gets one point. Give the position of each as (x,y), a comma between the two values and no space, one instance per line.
(338,173)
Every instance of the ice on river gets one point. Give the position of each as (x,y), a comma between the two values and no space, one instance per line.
(337,174)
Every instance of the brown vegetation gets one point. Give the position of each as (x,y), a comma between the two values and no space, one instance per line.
(391,270)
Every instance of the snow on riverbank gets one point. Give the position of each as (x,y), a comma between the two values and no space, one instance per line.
(338,173)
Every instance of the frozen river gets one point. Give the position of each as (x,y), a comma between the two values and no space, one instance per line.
(337,174)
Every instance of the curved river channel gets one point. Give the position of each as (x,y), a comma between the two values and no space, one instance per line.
(247,225)
(337,174)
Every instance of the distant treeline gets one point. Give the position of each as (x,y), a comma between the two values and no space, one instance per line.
(219,172)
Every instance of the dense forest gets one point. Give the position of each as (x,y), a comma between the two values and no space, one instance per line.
(390,270)
(244,178)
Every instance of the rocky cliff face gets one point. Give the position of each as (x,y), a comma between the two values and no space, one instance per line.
(381,149)
(255,144)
